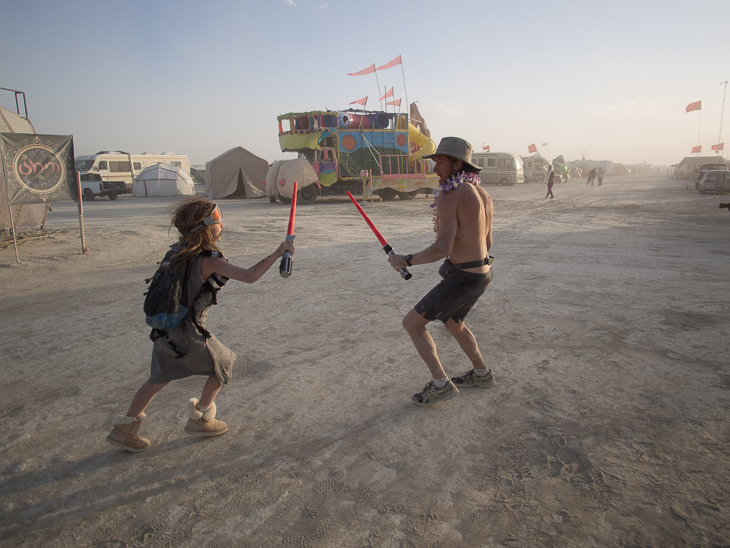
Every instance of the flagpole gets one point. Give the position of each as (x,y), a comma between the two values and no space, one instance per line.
(699,132)
(377,81)
(404,84)
(722,113)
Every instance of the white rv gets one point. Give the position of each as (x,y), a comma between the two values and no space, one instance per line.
(499,168)
(112,173)
(535,168)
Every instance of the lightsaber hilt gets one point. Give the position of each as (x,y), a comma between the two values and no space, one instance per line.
(285,265)
(403,271)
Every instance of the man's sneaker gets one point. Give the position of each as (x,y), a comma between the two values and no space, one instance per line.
(472,379)
(431,395)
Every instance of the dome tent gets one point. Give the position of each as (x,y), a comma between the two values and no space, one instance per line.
(163,180)
(237,173)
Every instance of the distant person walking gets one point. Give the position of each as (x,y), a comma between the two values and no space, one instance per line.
(599,175)
(550,181)
(591,176)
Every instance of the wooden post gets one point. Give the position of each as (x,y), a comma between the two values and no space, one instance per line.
(81,215)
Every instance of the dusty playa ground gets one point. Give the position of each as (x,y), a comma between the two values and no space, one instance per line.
(606,326)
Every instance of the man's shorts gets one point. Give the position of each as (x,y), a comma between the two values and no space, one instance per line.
(454,296)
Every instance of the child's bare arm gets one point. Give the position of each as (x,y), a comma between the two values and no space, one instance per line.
(217,265)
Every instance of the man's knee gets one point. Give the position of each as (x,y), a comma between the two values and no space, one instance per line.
(413,321)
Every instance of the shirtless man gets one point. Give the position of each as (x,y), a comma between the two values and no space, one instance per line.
(463,223)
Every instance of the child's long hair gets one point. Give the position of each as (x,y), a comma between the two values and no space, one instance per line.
(186,217)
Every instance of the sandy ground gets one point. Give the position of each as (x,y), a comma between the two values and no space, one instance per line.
(606,327)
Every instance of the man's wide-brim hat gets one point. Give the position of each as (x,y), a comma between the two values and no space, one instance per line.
(457,148)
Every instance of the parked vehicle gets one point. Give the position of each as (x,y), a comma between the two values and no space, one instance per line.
(112,173)
(348,150)
(535,168)
(690,167)
(503,168)
(715,181)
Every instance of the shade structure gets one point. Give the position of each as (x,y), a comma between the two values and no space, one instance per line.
(163,180)
(237,173)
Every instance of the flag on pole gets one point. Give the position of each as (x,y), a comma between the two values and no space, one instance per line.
(368,70)
(362,101)
(532,148)
(394,103)
(389,94)
(697,149)
(719,146)
(694,106)
(394,62)
(485,148)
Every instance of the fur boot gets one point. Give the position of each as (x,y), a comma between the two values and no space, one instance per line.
(124,434)
(203,423)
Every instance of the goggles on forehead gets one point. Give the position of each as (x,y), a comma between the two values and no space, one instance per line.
(214,218)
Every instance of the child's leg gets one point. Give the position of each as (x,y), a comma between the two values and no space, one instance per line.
(143,397)
(210,391)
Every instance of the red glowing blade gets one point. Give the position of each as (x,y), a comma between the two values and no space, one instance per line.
(292,212)
(368,221)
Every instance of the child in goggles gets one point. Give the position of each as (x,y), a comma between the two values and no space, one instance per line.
(199,352)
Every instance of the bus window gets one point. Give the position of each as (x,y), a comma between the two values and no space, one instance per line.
(102,165)
(490,162)
(502,163)
(137,165)
(176,164)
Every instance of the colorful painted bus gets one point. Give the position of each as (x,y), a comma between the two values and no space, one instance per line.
(352,150)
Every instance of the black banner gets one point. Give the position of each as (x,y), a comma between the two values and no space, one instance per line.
(38,168)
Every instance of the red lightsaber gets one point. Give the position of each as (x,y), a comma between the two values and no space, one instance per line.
(286,263)
(386,246)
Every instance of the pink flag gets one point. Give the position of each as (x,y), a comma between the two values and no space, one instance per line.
(389,94)
(694,106)
(720,146)
(394,103)
(697,149)
(362,101)
(485,148)
(368,70)
(532,148)
(393,63)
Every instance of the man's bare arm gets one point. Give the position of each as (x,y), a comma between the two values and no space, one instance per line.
(442,247)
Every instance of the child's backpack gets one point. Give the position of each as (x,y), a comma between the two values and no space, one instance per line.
(163,304)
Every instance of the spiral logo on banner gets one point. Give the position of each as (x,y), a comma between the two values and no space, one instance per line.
(38,168)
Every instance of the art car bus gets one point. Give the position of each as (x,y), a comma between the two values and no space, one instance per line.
(351,150)
(111,173)
(499,168)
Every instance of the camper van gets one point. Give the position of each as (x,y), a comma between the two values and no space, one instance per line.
(112,173)
(535,168)
(499,168)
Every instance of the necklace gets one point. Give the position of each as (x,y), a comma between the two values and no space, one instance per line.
(452,183)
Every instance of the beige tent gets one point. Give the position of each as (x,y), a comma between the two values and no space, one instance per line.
(236,174)
(28,215)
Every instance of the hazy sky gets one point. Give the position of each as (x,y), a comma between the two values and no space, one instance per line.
(200,77)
